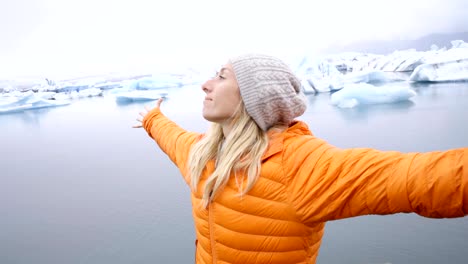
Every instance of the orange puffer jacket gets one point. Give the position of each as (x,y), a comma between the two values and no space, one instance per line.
(305,182)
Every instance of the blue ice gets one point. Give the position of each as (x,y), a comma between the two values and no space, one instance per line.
(353,95)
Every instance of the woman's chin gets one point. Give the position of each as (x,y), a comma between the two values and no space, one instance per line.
(207,117)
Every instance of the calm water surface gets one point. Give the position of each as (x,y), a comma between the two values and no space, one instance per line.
(79,185)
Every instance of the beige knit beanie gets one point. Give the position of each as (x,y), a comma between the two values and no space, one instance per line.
(272,94)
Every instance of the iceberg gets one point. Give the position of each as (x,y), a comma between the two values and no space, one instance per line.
(158,81)
(324,77)
(319,76)
(446,66)
(449,71)
(405,60)
(108,85)
(371,76)
(332,73)
(365,94)
(14,109)
(398,61)
(46,95)
(90,92)
(139,96)
(349,76)
(320,85)
(27,101)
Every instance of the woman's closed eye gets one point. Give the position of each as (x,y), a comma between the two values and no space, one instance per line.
(219,75)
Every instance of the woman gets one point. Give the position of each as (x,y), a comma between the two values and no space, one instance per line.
(263,186)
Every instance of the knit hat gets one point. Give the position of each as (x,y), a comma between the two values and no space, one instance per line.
(272,94)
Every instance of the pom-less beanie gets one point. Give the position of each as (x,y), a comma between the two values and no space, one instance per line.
(271,92)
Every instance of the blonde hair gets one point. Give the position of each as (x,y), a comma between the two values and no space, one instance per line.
(241,151)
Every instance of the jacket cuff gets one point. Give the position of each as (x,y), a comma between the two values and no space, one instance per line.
(147,122)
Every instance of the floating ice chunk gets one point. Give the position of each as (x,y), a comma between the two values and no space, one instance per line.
(135,96)
(46,95)
(324,84)
(371,76)
(319,76)
(14,108)
(446,56)
(90,92)
(459,44)
(115,91)
(70,88)
(42,103)
(441,72)
(15,98)
(62,96)
(307,88)
(156,82)
(398,61)
(405,60)
(355,94)
(108,85)
(27,101)
(408,64)
(337,82)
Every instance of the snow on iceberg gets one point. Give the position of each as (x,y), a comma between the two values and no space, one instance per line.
(441,72)
(398,61)
(27,101)
(337,82)
(364,94)
(324,77)
(319,76)
(435,65)
(450,65)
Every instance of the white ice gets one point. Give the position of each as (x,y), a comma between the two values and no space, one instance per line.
(350,75)
(365,94)
(135,96)
(159,81)
(331,73)
(449,71)
(18,102)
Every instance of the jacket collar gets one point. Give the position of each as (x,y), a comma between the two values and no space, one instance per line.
(276,138)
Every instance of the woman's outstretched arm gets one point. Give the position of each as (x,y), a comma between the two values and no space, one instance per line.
(329,183)
(171,138)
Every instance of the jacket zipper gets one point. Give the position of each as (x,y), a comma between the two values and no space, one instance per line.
(211,224)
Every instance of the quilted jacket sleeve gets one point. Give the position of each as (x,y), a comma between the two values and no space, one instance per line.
(328,183)
(172,139)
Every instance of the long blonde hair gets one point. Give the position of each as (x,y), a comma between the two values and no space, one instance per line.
(241,151)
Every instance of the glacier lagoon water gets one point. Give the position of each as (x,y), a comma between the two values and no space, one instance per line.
(79,185)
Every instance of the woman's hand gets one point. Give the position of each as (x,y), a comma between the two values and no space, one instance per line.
(145,112)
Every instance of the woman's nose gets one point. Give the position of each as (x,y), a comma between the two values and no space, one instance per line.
(206,87)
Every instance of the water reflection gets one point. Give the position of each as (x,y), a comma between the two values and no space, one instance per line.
(79,185)
(364,112)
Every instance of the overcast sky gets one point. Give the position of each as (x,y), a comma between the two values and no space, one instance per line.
(53,37)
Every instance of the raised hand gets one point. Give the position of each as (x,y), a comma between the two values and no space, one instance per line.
(145,112)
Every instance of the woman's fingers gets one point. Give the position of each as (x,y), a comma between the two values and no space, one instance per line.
(148,109)
(144,113)
(139,124)
(158,103)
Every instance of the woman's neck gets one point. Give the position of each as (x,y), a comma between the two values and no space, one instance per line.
(227,127)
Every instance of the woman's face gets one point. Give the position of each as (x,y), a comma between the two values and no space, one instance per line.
(222,96)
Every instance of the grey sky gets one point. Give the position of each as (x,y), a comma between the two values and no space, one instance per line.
(60,36)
